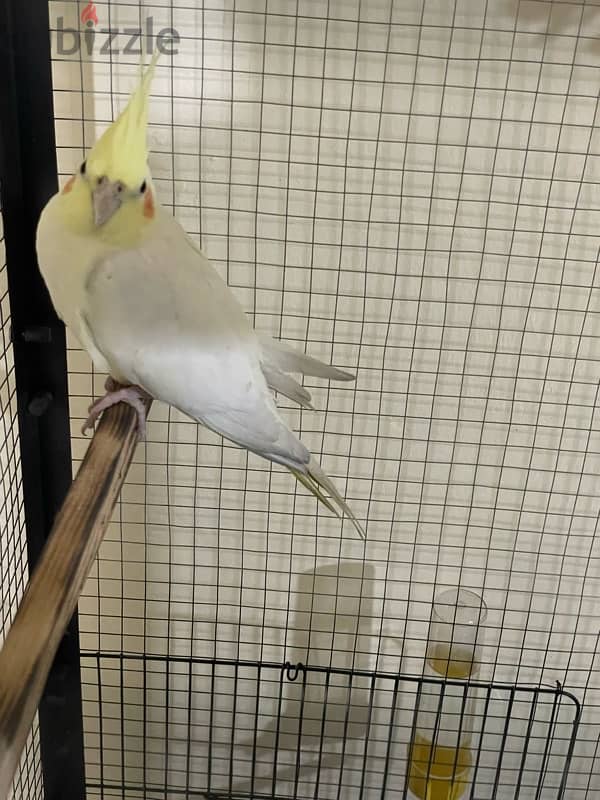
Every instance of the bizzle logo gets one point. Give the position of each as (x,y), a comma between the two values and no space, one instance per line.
(104,40)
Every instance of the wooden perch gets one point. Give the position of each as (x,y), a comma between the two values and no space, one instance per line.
(54,588)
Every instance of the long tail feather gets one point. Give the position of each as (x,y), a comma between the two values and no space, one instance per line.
(314,489)
(315,480)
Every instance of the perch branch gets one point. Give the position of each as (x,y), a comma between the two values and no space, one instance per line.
(57,581)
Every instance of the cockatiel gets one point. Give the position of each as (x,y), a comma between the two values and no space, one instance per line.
(153,313)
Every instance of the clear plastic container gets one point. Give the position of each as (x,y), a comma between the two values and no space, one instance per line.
(454,642)
(440,752)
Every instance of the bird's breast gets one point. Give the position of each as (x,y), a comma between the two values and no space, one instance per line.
(66,260)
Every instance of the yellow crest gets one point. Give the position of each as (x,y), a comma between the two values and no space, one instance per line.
(121,153)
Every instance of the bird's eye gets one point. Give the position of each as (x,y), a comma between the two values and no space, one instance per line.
(143,187)
(119,188)
(82,168)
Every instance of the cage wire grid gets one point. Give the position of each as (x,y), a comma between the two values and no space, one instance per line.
(13,541)
(407,189)
(255,729)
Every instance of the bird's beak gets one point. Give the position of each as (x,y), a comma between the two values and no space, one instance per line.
(106,199)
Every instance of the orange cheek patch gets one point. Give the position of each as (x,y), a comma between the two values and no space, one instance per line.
(69,185)
(148,204)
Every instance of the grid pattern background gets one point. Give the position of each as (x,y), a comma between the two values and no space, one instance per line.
(409,189)
(13,541)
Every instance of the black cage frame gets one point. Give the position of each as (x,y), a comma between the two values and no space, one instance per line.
(28,177)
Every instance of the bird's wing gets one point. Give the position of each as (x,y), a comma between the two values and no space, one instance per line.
(279,356)
(162,318)
(278,360)
(280,382)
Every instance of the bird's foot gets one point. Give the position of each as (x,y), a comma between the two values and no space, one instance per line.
(134,396)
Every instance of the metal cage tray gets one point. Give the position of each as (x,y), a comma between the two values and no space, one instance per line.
(158,727)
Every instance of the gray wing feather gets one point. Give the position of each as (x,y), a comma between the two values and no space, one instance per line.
(280,382)
(287,359)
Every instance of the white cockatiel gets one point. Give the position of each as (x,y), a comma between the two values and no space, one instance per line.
(152,312)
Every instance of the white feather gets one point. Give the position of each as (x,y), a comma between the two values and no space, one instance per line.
(158,315)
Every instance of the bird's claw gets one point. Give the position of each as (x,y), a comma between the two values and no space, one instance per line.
(133,396)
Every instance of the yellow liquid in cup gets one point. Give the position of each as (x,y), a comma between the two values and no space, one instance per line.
(453,667)
(436,772)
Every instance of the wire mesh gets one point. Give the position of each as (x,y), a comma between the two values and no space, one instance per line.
(408,189)
(13,540)
(235,729)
